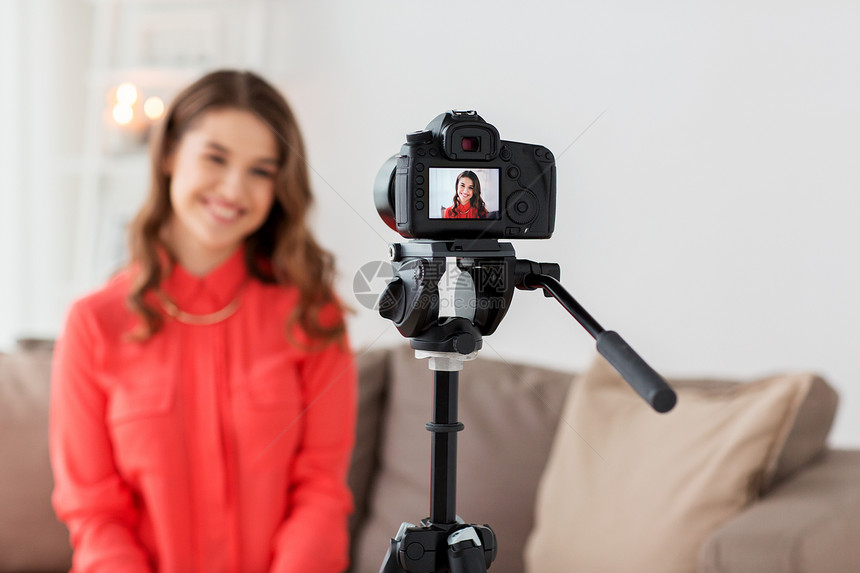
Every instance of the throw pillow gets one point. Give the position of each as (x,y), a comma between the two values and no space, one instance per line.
(627,489)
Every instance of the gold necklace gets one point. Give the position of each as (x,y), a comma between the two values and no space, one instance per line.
(177,313)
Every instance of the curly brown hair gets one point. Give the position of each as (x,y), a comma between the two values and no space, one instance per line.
(282,250)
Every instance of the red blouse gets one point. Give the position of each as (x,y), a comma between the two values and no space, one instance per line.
(219,448)
(459,211)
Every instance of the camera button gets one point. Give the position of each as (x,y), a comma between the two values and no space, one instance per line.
(421,151)
(419,192)
(419,180)
(419,205)
(434,152)
(505,153)
(513,172)
(419,167)
(543,153)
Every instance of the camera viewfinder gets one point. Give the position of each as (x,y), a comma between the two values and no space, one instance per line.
(470,144)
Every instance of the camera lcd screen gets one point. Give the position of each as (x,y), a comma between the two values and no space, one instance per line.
(463,193)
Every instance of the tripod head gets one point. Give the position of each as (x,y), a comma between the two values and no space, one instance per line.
(477,279)
(447,295)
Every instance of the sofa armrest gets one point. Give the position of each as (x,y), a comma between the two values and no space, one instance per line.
(809,523)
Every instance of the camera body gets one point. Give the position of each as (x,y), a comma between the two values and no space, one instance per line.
(457,179)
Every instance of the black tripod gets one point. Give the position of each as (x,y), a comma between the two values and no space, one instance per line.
(482,293)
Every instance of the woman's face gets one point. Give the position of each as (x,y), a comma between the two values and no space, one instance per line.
(222,185)
(465,190)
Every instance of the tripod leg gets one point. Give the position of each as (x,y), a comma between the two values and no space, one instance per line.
(391,563)
(465,553)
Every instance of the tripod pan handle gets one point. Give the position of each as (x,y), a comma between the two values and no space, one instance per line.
(644,379)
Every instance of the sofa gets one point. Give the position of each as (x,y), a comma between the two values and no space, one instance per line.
(805,518)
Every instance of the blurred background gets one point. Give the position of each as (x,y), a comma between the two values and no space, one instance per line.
(708,172)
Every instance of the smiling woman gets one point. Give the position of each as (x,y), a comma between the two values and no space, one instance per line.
(202,408)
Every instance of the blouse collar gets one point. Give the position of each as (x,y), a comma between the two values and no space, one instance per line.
(464,208)
(210,292)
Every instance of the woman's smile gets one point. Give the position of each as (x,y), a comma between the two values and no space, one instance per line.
(222,211)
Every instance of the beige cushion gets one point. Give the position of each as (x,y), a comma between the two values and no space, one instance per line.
(510,413)
(809,524)
(627,489)
(372,381)
(31,538)
(808,436)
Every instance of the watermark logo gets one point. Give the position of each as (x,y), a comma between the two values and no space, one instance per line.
(370,281)
(453,291)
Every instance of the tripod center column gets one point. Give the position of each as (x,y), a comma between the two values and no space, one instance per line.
(443,470)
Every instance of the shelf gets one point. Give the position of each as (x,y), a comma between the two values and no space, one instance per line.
(168,44)
(152,77)
(155,2)
(126,165)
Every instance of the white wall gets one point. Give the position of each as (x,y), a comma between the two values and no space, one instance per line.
(708,215)
(40,102)
(11,259)
(41,99)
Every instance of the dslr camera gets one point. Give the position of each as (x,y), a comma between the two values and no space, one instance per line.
(456,179)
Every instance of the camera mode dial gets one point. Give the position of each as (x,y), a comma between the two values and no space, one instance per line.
(417,137)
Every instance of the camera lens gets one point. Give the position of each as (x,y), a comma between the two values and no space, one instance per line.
(469,144)
(383,192)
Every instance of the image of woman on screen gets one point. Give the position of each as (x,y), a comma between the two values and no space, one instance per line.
(468,203)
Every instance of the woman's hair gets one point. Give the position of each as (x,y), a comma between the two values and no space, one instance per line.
(476,200)
(282,250)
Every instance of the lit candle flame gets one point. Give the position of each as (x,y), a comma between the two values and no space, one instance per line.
(153,107)
(126,93)
(122,113)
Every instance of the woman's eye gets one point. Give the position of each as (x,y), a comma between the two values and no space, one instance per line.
(263,173)
(216,159)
